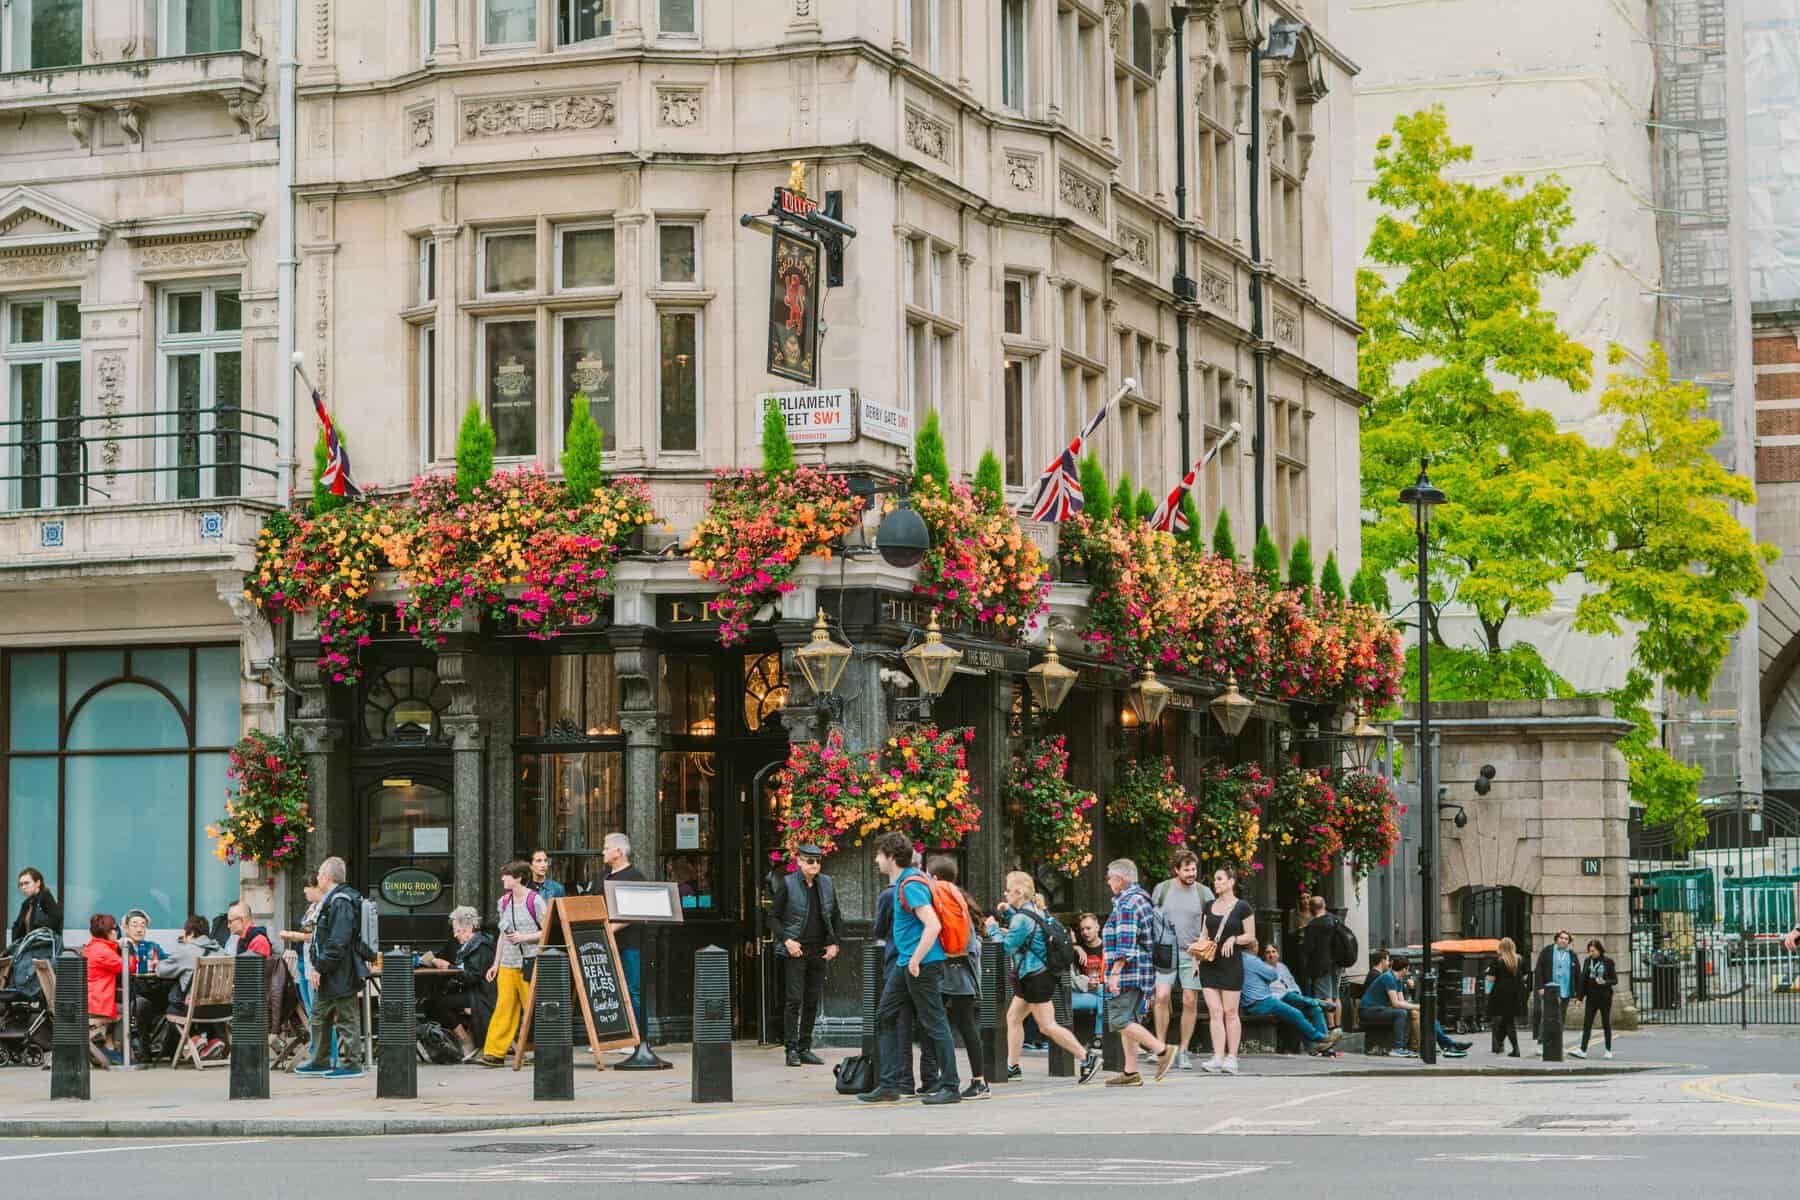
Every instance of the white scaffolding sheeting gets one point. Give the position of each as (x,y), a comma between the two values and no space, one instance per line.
(1772,133)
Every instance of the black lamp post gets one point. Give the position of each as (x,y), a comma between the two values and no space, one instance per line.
(1422,497)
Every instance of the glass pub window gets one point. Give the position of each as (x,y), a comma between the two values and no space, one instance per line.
(201,345)
(582,21)
(678,17)
(679,380)
(571,790)
(509,367)
(202,26)
(38,35)
(40,410)
(508,23)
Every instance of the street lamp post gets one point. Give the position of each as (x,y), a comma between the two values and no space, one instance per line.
(1422,497)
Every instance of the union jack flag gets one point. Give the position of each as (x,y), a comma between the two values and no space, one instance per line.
(1168,516)
(337,459)
(1059,487)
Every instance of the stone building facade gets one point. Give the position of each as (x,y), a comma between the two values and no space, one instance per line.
(503,202)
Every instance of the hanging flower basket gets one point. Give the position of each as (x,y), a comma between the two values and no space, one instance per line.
(266,819)
(1053,813)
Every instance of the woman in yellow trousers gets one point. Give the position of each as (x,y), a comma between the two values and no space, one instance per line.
(521,929)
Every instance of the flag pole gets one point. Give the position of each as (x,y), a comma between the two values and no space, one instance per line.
(300,370)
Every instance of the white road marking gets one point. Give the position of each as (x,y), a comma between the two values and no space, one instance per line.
(638,1164)
(1528,1158)
(1313,1099)
(120,1149)
(1109,1172)
(1245,1124)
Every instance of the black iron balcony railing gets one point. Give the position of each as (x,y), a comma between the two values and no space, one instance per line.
(186,454)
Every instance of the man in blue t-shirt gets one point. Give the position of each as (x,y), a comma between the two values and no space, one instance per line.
(920,962)
(1385,1000)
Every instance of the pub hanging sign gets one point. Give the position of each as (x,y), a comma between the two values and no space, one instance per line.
(794,307)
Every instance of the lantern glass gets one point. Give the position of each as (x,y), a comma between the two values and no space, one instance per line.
(931,662)
(1231,709)
(1148,696)
(1050,682)
(822,660)
(1365,740)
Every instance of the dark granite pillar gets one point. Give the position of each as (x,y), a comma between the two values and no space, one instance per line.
(466,733)
(321,738)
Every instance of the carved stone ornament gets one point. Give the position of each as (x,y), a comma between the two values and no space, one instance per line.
(1287,327)
(131,123)
(802,9)
(539,114)
(76,118)
(192,254)
(248,111)
(1021,171)
(1115,23)
(678,107)
(1306,151)
(928,137)
(1165,39)
(1078,190)
(421,126)
(41,266)
(1216,289)
(1137,245)
(109,372)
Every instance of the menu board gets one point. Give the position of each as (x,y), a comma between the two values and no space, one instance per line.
(579,925)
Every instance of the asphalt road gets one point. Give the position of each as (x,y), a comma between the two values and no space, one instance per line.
(945,1166)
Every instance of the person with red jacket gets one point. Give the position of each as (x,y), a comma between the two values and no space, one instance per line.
(105,964)
(251,939)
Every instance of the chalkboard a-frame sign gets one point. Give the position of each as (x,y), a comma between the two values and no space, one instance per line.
(579,924)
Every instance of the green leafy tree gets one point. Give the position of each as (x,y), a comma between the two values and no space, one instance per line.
(1146,506)
(1300,565)
(1331,580)
(931,463)
(1222,544)
(1453,314)
(1374,589)
(1096,496)
(777,447)
(990,484)
(1266,558)
(1359,592)
(1124,497)
(474,452)
(581,452)
(323,501)
(1193,535)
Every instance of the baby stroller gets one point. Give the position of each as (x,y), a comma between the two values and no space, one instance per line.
(24,1015)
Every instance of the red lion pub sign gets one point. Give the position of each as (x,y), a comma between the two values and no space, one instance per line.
(794,307)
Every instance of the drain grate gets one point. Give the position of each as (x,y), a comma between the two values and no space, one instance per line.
(521,1148)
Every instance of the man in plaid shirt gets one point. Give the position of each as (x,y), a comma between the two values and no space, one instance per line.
(1131,973)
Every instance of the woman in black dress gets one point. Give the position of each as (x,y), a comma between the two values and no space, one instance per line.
(1227,926)
(1506,995)
(1598,979)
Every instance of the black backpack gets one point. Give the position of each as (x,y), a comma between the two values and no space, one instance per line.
(1345,953)
(437,1046)
(1059,944)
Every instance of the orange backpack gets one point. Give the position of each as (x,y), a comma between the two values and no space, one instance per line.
(952,913)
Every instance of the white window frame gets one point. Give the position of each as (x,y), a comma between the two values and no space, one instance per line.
(426,16)
(558,319)
(556,254)
(425,267)
(1024,281)
(698,227)
(483,378)
(481,254)
(208,344)
(1015,55)
(925,50)
(689,35)
(426,365)
(174,30)
(604,39)
(699,314)
(1028,370)
(487,47)
(49,352)
(8,49)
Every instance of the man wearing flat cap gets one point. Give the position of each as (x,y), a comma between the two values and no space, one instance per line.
(807,926)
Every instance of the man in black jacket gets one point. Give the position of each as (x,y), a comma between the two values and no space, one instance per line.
(806,922)
(337,949)
(1317,968)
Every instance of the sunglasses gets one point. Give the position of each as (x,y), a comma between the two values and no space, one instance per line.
(810,862)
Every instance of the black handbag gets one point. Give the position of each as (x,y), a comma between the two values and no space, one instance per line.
(855,1075)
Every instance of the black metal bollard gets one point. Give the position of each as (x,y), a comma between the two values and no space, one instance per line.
(69,1044)
(712,1026)
(1550,1024)
(553,1028)
(250,1028)
(397,1071)
(993,1010)
(1062,1063)
(872,980)
(1112,1050)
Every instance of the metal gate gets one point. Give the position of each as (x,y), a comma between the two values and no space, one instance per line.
(1706,926)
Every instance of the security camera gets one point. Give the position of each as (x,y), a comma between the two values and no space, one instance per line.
(1484,782)
(1462,819)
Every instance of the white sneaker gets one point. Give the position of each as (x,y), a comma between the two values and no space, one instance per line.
(1183,1062)
(1231,1066)
(1609,1054)
(1212,1066)
(1578,1054)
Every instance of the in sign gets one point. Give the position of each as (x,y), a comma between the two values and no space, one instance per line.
(1590,866)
